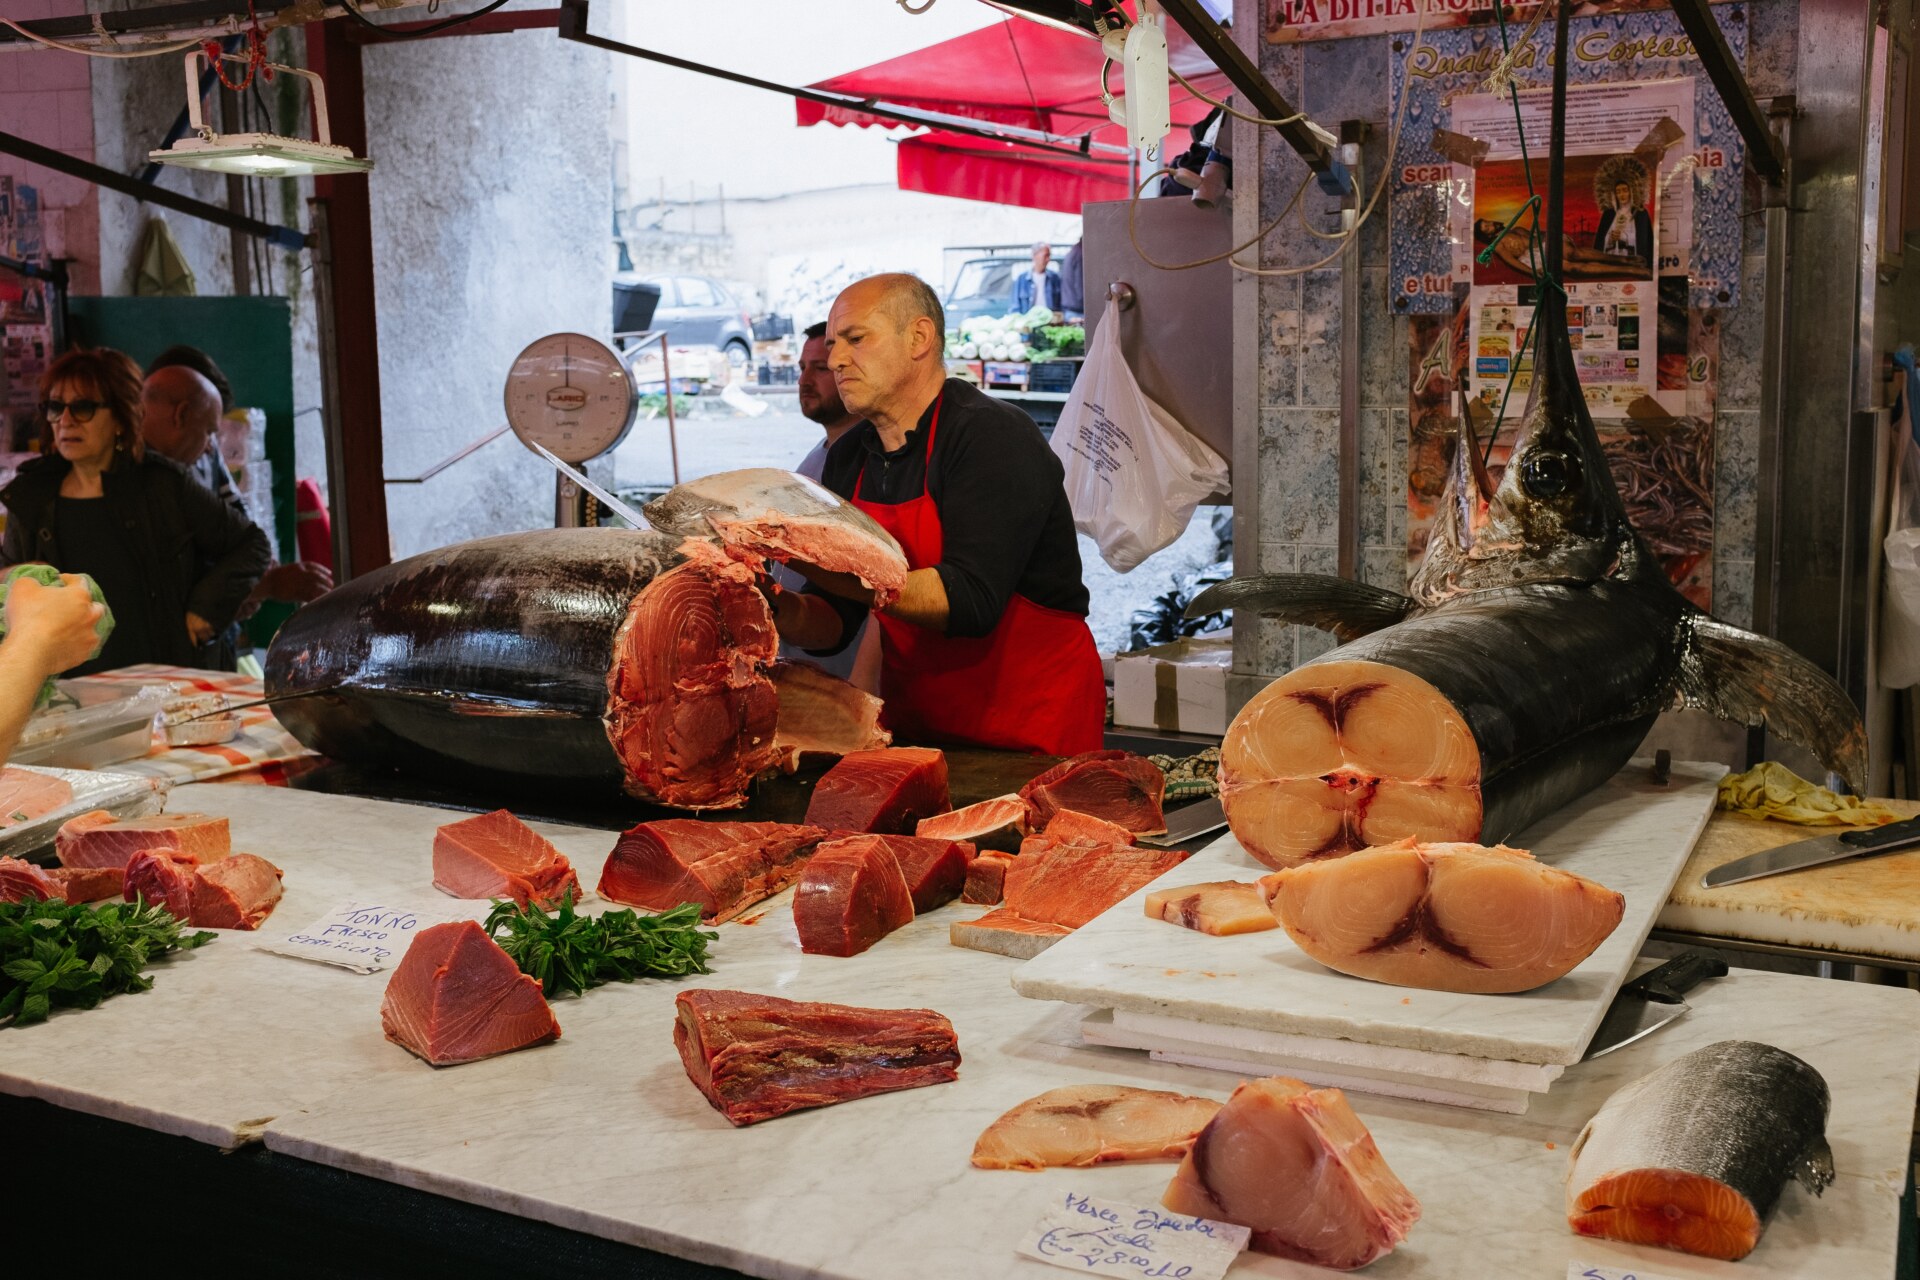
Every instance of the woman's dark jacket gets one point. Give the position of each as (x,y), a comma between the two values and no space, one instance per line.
(196,552)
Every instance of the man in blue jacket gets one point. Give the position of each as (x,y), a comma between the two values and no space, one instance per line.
(1043,283)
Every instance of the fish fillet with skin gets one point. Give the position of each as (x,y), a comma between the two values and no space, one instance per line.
(1119,786)
(1089,1124)
(1694,1156)
(1219,907)
(495,855)
(999,823)
(1297,1166)
(457,997)
(26,795)
(98,839)
(1444,917)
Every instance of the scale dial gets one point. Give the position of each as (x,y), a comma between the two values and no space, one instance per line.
(572,394)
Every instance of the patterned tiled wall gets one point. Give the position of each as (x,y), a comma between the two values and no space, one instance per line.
(1299,360)
(47,97)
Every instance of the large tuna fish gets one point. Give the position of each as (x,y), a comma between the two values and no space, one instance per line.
(575,657)
(1540,640)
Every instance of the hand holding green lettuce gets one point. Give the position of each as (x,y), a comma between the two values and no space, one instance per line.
(52,621)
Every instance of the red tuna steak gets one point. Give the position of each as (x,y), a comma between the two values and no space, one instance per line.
(496,855)
(756,1057)
(935,870)
(457,997)
(88,884)
(726,867)
(987,879)
(886,791)
(98,839)
(851,895)
(234,893)
(1123,788)
(160,881)
(23,882)
(26,795)
(999,823)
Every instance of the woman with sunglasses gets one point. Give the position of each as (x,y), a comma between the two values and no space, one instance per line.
(172,559)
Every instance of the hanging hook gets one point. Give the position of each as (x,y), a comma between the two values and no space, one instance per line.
(1121,294)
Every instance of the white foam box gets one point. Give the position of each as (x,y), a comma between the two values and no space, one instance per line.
(1177,688)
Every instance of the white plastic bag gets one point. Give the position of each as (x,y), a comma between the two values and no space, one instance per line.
(1899,656)
(1134,474)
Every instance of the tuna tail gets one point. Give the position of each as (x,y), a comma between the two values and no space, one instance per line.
(1814,1170)
(1348,609)
(1752,680)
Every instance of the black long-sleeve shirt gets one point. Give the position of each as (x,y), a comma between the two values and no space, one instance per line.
(1004,517)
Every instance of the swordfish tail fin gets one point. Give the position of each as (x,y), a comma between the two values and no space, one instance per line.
(1752,680)
(1348,609)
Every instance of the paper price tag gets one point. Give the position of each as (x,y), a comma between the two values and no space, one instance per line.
(362,936)
(1140,1242)
(1582,1271)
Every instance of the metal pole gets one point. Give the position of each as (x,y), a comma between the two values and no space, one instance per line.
(1776,367)
(1347,550)
(330,387)
(1261,97)
(673,437)
(1764,151)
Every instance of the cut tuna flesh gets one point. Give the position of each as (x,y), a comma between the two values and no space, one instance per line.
(160,881)
(1070,826)
(987,879)
(689,710)
(1123,788)
(822,715)
(1071,884)
(88,884)
(850,896)
(457,997)
(496,855)
(1339,756)
(1005,932)
(1218,907)
(756,1057)
(1297,1166)
(98,839)
(26,795)
(1088,1124)
(24,882)
(999,823)
(886,791)
(785,517)
(726,867)
(234,893)
(935,870)
(1443,917)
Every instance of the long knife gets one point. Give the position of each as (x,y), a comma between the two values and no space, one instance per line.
(1183,824)
(607,500)
(1816,852)
(1651,1001)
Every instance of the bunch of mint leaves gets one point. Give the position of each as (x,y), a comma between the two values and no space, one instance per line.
(57,954)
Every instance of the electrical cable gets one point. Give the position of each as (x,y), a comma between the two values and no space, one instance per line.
(51,43)
(1231,110)
(1262,234)
(353,11)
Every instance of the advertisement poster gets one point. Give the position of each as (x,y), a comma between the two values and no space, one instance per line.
(1291,21)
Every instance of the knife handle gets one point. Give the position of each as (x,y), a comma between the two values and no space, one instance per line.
(1893,833)
(1668,983)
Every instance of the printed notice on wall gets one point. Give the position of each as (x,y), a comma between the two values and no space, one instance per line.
(1111,1238)
(1628,217)
(362,936)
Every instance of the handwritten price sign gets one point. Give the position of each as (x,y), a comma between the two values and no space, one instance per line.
(1581,1271)
(362,936)
(1139,1242)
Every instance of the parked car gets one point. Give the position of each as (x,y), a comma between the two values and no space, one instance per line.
(698,310)
(983,287)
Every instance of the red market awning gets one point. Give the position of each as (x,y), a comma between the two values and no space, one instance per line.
(1012,73)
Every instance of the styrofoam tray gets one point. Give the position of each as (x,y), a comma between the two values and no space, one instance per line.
(124,795)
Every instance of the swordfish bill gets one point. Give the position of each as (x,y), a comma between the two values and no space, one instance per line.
(1538,640)
(582,658)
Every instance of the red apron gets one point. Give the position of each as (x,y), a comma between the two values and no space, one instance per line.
(1031,684)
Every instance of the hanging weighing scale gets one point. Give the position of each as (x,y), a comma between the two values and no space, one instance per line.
(571,399)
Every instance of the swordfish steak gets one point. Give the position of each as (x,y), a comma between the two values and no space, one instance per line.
(457,997)
(886,791)
(1084,1125)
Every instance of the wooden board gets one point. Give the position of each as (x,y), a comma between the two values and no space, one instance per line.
(1869,906)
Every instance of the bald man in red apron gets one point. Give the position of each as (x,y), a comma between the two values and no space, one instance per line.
(988,643)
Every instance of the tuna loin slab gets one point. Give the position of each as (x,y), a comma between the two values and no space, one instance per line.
(726,867)
(756,1057)
(881,791)
(1118,786)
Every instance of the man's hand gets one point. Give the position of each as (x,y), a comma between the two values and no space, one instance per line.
(199,628)
(52,627)
(845,585)
(807,622)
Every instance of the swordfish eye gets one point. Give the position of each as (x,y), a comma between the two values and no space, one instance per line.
(1549,474)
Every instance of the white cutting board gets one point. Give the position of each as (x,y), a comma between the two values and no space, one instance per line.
(1632,835)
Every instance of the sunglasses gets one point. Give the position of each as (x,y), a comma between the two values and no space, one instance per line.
(82,410)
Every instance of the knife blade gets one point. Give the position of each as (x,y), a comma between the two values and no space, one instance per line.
(1815,852)
(1652,1000)
(607,500)
(1196,819)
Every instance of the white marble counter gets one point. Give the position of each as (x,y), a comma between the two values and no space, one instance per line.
(601,1131)
(1630,835)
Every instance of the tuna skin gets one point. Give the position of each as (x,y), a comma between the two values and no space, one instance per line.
(457,997)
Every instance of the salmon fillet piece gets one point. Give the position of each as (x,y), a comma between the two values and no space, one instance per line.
(26,795)
(1219,907)
(1089,1124)
(851,895)
(162,881)
(237,892)
(999,823)
(1444,917)
(495,855)
(1297,1166)
(98,839)
(22,881)
(457,997)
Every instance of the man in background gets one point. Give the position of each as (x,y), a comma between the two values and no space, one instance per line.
(820,402)
(1040,287)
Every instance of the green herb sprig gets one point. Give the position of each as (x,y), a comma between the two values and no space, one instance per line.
(55,954)
(566,951)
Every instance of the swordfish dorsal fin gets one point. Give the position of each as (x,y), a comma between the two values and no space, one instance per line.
(1751,680)
(1348,609)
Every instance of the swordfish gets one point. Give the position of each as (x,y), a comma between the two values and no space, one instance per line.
(1538,641)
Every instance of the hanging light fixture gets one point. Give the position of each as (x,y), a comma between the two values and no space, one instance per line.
(1077,16)
(257,155)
